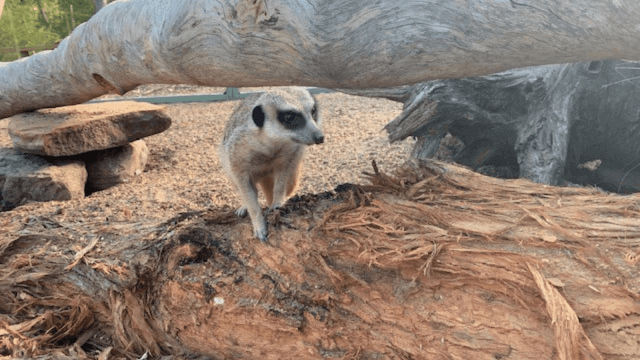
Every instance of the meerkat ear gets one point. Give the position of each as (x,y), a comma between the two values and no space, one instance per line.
(258,116)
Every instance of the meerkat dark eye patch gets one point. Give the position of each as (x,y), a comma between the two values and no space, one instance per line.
(291,119)
(258,116)
(314,110)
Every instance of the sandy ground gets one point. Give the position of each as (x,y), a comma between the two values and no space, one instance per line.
(183,173)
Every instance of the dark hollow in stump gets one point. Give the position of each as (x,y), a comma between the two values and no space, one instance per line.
(573,122)
(435,262)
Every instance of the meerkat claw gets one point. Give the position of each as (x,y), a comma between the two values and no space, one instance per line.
(274,206)
(241,212)
(261,234)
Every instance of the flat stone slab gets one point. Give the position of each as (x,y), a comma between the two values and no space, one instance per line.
(77,129)
(26,177)
(110,167)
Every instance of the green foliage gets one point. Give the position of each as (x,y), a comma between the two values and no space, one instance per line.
(23,23)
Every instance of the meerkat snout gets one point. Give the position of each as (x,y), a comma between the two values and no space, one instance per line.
(263,147)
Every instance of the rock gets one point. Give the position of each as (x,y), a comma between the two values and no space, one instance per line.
(72,130)
(27,177)
(107,168)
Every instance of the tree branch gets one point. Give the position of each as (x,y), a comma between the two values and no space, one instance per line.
(346,44)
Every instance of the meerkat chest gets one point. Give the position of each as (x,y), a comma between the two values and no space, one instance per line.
(260,158)
(275,156)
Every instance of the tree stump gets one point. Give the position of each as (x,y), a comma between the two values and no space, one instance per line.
(551,124)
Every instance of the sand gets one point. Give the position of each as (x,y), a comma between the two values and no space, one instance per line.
(184,175)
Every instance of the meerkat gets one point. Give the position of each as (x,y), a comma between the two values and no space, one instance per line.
(263,145)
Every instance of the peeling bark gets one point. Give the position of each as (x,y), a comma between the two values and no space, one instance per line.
(346,44)
(394,269)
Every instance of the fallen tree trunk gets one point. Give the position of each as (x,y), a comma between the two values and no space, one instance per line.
(98,5)
(551,124)
(437,262)
(346,44)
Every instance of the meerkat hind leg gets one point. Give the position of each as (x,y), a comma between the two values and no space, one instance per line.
(266,184)
(285,185)
(278,191)
(292,180)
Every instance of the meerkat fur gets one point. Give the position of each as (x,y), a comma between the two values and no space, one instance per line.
(263,146)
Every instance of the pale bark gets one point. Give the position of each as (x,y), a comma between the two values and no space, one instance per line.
(333,44)
(1,7)
(545,123)
(98,5)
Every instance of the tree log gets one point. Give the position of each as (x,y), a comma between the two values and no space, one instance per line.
(435,262)
(345,44)
(546,123)
(98,5)
(398,93)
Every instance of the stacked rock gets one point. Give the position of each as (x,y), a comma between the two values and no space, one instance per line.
(60,153)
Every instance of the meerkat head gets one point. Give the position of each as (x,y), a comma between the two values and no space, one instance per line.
(289,114)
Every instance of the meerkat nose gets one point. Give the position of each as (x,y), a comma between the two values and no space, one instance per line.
(319,139)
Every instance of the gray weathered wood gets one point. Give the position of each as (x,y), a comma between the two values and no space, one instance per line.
(398,93)
(333,44)
(98,5)
(543,122)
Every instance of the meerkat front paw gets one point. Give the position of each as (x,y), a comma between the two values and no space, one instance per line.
(242,211)
(261,232)
(275,206)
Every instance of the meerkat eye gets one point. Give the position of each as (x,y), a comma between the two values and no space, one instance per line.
(291,119)
(314,111)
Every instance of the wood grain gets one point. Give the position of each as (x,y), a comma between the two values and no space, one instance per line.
(345,44)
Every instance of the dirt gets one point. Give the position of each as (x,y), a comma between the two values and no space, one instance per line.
(184,175)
